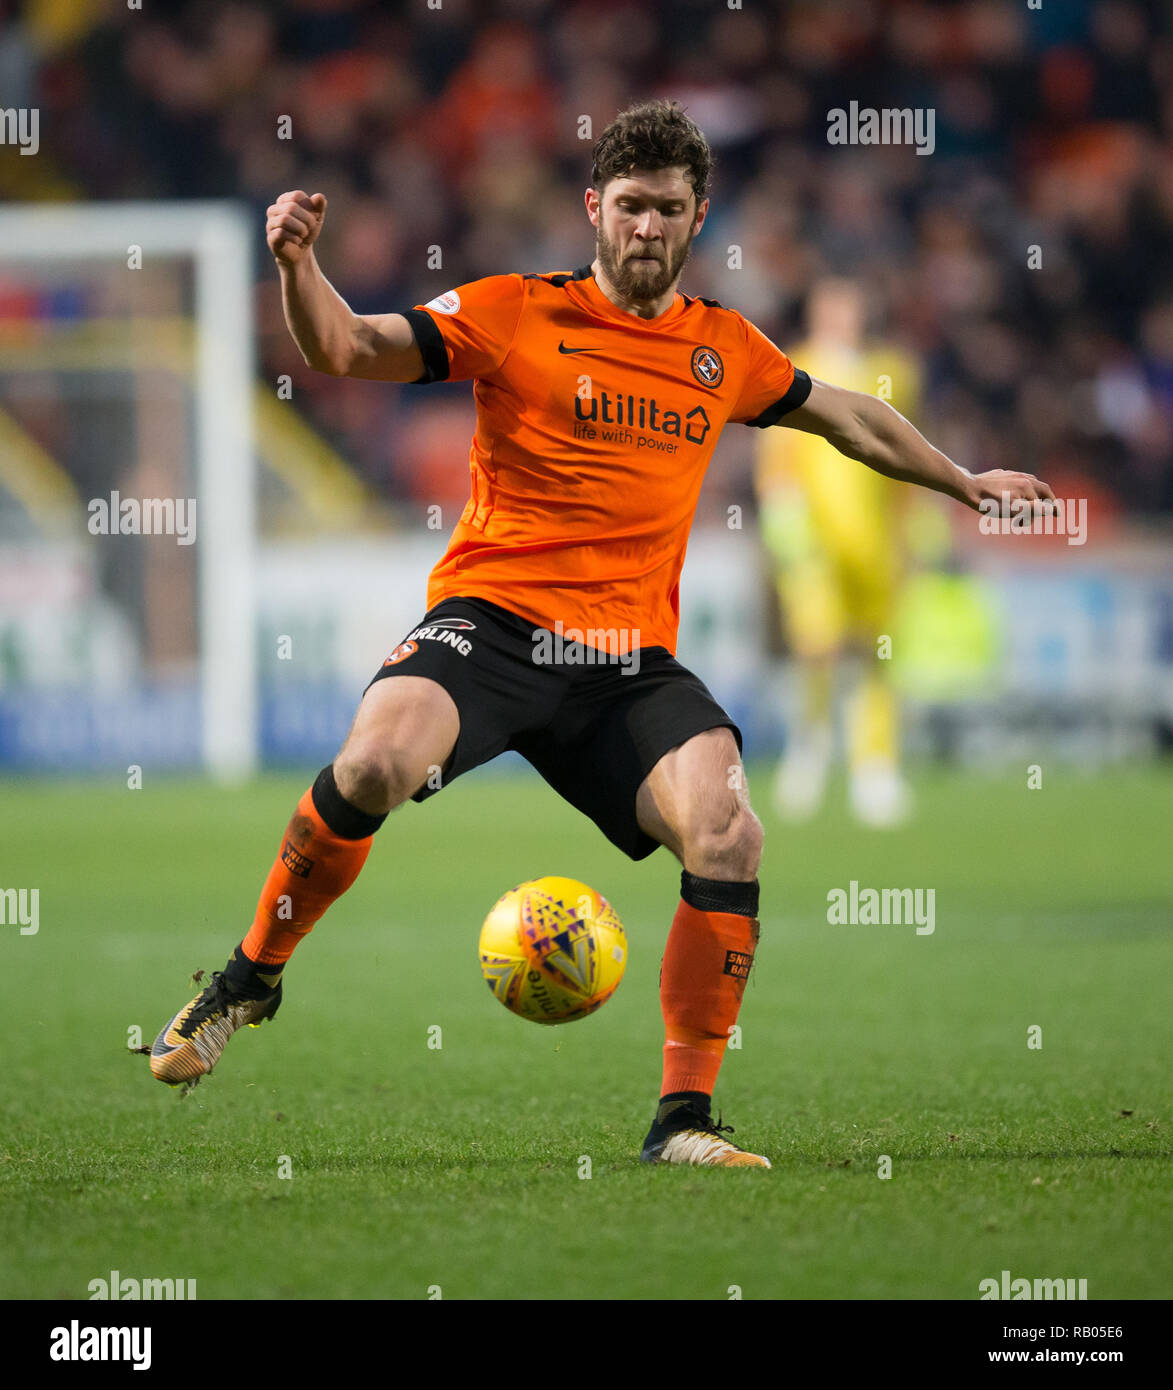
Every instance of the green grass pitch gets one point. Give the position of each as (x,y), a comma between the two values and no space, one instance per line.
(415,1167)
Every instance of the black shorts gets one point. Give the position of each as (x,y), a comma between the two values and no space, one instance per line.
(593,725)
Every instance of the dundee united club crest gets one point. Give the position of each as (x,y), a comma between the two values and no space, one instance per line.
(401,653)
(707,367)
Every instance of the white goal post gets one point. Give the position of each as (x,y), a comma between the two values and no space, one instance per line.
(216,237)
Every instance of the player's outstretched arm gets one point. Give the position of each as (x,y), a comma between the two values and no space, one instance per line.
(866,428)
(331,337)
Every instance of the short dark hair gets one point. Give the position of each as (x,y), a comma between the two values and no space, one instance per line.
(652,135)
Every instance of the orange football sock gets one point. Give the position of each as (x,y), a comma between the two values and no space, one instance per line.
(702,979)
(326,843)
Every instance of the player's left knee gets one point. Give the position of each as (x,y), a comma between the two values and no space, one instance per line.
(748,844)
(729,848)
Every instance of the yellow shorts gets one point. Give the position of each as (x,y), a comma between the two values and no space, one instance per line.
(836,583)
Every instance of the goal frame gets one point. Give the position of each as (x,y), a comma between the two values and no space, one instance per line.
(217,238)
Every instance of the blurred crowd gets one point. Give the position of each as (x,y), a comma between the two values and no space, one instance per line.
(455,129)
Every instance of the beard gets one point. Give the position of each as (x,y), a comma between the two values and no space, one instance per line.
(636,280)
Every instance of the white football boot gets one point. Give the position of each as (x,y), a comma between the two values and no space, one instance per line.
(800,783)
(878,795)
(695,1140)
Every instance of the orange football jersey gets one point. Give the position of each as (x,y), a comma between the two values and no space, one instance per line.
(594,431)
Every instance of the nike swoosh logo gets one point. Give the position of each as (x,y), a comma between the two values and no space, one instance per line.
(562,348)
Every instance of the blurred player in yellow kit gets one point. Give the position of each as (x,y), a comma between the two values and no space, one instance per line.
(833,534)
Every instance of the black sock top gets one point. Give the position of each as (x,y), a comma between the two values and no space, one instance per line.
(345,820)
(715,895)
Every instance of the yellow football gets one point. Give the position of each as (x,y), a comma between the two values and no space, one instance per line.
(553,950)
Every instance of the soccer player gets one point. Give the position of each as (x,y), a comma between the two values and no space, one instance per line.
(600,395)
(836,546)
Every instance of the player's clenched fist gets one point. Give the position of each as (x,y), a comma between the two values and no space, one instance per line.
(293,224)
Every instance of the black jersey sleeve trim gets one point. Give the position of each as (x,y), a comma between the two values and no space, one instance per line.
(431,345)
(799,390)
(563,277)
(708,303)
